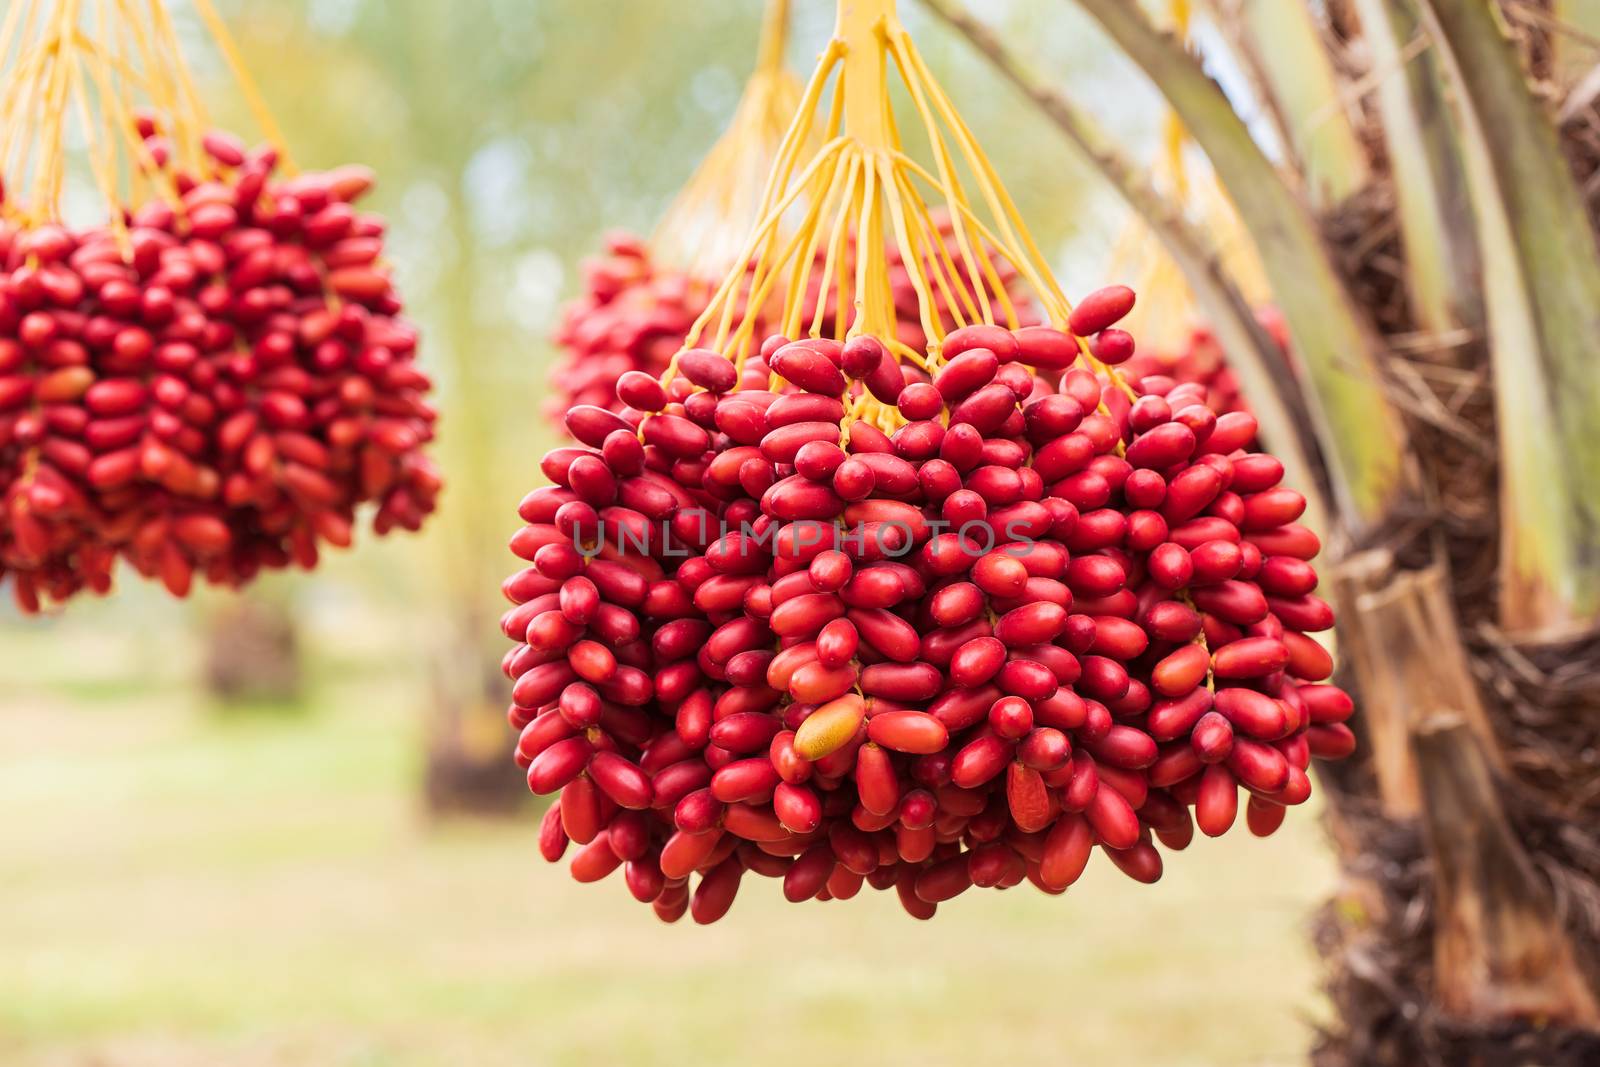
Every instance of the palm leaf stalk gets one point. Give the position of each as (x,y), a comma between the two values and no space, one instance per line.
(1282,46)
(1542,289)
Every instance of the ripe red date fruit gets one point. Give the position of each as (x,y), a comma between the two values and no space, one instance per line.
(214,392)
(957,643)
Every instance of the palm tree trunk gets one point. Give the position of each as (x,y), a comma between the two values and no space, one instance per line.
(1465,930)
(251,650)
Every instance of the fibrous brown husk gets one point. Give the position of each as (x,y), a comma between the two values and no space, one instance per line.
(1377,935)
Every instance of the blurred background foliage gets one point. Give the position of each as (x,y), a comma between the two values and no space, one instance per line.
(193,880)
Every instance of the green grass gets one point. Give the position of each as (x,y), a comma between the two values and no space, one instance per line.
(184,888)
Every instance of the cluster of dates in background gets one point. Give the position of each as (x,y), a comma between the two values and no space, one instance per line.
(208,388)
(635,312)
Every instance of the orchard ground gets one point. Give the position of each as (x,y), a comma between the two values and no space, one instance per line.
(181,887)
